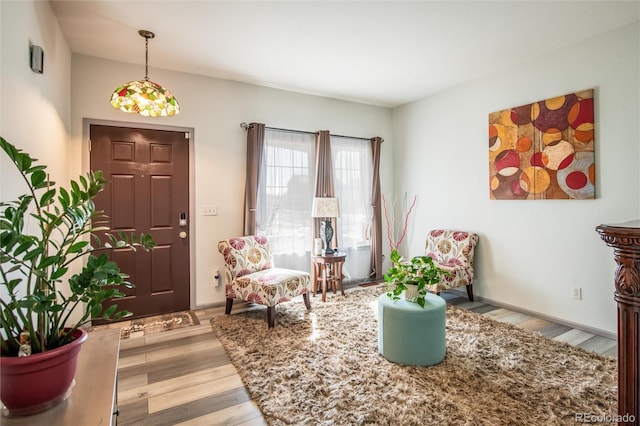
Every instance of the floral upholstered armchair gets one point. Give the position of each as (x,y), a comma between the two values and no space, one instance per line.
(452,251)
(252,276)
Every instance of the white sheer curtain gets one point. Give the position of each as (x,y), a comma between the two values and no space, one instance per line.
(285,195)
(353,174)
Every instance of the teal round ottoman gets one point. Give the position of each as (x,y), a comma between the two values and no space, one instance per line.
(409,334)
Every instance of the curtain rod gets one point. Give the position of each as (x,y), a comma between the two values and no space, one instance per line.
(246,126)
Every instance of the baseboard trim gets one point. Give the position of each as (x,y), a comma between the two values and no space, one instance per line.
(211,305)
(561,321)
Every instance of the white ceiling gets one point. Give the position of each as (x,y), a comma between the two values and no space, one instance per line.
(377,52)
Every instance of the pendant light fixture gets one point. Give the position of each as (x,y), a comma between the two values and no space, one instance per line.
(143,96)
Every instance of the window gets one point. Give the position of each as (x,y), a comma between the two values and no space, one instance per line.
(282,180)
(285,195)
(352,173)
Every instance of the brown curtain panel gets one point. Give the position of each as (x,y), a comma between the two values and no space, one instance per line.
(375,271)
(324,179)
(255,151)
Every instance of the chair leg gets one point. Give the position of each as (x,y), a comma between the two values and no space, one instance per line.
(307,301)
(227,309)
(470,292)
(271,316)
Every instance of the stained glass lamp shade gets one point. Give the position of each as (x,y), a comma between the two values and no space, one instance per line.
(145,97)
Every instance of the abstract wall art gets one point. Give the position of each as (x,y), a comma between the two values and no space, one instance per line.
(544,150)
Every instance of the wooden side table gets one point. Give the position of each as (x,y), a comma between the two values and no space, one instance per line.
(328,270)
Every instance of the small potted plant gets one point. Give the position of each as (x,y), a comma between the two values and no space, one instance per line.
(412,276)
(43,309)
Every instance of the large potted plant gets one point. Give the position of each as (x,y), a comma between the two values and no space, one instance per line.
(412,277)
(42,308)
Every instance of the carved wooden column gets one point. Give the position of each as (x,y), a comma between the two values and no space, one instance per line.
(625,240)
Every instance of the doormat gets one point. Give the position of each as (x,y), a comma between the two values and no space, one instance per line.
(159,323)
(140,327)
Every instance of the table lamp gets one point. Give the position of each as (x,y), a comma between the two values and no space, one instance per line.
(326,208)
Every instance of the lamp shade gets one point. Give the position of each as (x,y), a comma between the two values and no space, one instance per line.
(145,98)
(325,207)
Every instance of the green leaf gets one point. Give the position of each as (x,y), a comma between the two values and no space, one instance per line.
(58,273)
(34,169)
(47,197)
(23,246)
(77,247)
(55,308)
(38,178)
(122,314)
(8,240)
(64,198)
(96,310)
(47,261)
(23,162)
(12,284)
(75,187)
(109,311)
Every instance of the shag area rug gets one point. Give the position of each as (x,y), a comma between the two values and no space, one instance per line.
(323,368)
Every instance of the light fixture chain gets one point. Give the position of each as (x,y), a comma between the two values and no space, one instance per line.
(146,58)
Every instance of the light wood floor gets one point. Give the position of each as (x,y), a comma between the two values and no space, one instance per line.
(184,377)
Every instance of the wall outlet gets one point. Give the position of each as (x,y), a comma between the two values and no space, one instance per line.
(210,210)
(576,293)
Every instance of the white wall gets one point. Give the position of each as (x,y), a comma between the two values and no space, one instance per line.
(34,108)
(531,252)
(215,108)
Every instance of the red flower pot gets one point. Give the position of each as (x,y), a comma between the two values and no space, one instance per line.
(37,382)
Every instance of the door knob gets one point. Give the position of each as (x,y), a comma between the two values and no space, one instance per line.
(182,234)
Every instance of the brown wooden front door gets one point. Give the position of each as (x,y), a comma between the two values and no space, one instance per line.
(148,192)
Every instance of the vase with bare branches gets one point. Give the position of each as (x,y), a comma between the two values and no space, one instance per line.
(389,215)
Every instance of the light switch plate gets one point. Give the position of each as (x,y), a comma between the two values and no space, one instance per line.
(210,210)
